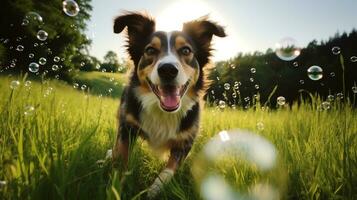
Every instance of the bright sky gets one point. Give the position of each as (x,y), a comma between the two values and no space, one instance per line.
(251,25)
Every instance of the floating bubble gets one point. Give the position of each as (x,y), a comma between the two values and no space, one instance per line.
(55,67)
(332,74)
(315,72)
(260,126)
(20,48)
(326,105)
(70,7)
(42,61)
(232,66)
(111,79)
(14,84)
(302,82)
(330,98)
(104,70)
(34,67)
(287,50)
(82,64)
(217,78)
(280,100)
(97,66)
(83,87)
(256,86)
(28,83)
(25,22)
(354,89)
(353,58)
(42,35)
(56,59)
(29,110)
(295,64)
(57,76)
(215,169)
(31,55)
(251,80)
(339,95)
(221,104)
(32,17)
(110,90)
(227,86)
(253,70)
(234,95)
(35,44)
(246,99)
(75,85)
(336,50)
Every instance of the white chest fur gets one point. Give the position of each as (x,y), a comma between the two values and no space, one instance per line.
(161,126)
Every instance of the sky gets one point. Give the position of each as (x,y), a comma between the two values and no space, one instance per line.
(251,25)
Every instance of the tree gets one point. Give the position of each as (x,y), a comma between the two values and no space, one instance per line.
(65,34)
(111,62)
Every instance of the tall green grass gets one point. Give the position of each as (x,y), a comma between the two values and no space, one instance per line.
(57,150)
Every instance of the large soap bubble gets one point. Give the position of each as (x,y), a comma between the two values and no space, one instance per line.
(238,164)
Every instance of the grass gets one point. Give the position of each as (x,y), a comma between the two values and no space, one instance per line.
(56,151)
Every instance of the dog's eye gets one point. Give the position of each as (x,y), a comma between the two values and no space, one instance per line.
(151,51)
(185,51)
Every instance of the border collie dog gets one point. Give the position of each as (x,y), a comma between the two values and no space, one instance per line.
(162,100)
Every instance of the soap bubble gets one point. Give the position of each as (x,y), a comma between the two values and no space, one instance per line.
(256,86)
(55,67)
(29,110)
(33,18)
(227,86)
(260,176)
(14,84)
(353,58)
(42,35)
(302,82)
(42,61)
(34,67)
(260,126)
(20,48)
(295,64)
(315,72)
(104,70)
(326,105)
(336,50)
(31,55)
(339,95)
(28,83)
(251,80)
(253,70)
(354,89)
(75,85)
(110,90)
(221,104)
(280,100)
(332,74)
(70,7)
(287,49)
(83,87)
(246,99)
(330,98)
(56,59)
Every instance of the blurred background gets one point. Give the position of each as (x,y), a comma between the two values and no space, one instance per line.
(268,51)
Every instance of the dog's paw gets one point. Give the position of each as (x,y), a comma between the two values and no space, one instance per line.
(163,178)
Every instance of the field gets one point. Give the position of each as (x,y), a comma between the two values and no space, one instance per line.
(54,139)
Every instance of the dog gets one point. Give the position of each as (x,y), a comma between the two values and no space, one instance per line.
(162,100)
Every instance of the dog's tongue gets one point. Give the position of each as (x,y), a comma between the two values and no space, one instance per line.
(170,97)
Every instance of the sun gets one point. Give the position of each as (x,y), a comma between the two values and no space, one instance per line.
(174,15)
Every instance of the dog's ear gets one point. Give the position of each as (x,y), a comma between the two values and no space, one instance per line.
(201,32)
(139,27)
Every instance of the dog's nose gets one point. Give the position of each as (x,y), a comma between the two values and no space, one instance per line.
(167,71)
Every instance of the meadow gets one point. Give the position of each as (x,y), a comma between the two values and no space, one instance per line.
(54,139)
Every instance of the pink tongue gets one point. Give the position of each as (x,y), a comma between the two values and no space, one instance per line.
(170,99)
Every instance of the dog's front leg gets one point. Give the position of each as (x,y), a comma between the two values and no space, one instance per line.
(177,155)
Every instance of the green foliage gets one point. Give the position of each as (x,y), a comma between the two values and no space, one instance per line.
(66,37)
(57,151)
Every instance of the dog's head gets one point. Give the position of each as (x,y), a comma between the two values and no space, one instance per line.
(168,64)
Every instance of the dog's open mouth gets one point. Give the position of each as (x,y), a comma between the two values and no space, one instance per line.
(169,95)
